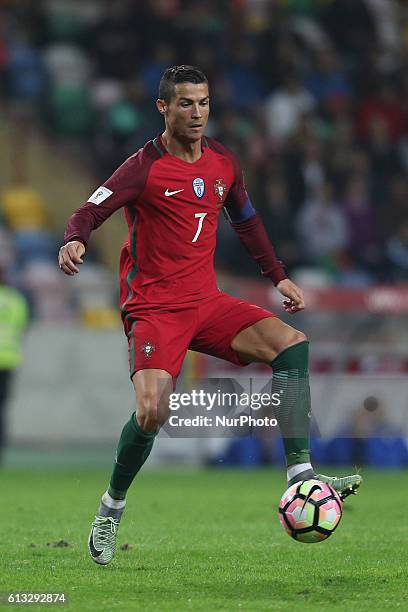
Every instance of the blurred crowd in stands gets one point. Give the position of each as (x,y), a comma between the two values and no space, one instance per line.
(310,94)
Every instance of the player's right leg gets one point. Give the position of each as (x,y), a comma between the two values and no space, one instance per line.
(158,342)
(152,390)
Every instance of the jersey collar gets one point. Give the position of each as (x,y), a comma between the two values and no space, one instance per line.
(161,149)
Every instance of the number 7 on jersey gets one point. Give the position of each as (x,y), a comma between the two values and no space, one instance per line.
(200,217)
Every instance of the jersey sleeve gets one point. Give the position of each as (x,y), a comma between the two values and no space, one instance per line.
(122,188)
(250,228)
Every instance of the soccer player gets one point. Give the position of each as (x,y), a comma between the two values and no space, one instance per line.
(172,191)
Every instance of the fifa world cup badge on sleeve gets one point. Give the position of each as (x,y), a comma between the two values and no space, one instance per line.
(220,188)
(100,195)
(199,187)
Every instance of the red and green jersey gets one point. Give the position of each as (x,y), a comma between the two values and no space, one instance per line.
(172,209)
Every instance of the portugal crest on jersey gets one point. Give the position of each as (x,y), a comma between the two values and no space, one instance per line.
(199,187)
(148,348)
(220,188)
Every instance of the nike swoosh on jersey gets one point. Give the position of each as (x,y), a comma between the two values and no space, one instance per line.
(170,193)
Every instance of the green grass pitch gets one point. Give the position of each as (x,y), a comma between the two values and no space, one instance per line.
(202,540)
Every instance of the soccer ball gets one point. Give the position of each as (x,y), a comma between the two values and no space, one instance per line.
(310,511)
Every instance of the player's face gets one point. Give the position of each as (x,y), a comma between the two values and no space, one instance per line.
(187,113)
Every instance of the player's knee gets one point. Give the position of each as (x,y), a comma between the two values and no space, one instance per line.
(295,337)
(148,420)
(147,411)
(292,337)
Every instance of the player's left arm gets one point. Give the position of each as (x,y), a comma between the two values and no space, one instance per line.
(251,231)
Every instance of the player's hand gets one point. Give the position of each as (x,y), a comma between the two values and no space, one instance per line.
(70,255)
(295,301)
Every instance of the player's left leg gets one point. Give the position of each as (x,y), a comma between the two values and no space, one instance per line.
(242,333)
(286,349)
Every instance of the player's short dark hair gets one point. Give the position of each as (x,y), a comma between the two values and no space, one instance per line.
(178,74)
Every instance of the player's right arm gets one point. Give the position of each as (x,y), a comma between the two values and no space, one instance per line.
(123,187)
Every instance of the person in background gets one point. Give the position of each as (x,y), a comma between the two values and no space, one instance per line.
(13,321)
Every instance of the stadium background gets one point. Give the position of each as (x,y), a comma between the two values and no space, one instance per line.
(312,96)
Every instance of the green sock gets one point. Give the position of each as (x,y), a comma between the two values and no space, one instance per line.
(133,449)
(291,382)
